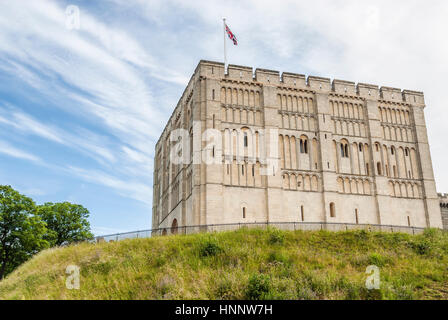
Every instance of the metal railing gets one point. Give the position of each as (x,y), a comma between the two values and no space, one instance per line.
(290,226)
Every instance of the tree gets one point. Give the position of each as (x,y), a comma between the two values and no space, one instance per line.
(21,230)
(66,222)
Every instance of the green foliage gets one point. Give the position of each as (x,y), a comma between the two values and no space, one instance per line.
(378,260)
(209,247)
(224,289)
(242,264)
(26,229)
(278,257)
(67,223)
(21,231)
(258,287)
(276,236)
(421,246)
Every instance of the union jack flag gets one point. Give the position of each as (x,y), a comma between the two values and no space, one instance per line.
(231,35)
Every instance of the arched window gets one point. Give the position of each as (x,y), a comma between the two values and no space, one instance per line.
(392,150)
(332,210)
(174,227)
(344,149)
(378,168)
(304,144)
(245,140)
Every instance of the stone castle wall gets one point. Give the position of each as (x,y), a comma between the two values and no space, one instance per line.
(444,209)
(346,153)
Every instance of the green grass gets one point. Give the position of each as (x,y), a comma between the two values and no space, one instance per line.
(245,264)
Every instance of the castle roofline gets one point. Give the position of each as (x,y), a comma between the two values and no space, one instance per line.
(273,77)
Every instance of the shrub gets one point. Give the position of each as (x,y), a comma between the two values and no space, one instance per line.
(276,236)
(422,246)
(259,287)
(209,247)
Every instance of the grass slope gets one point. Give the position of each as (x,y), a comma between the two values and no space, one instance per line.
(245,264)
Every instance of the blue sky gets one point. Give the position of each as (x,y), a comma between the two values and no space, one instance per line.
(81,110)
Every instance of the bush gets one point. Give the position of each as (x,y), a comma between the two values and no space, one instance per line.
(259,287)
(422,246)
(209,247)
(276,236)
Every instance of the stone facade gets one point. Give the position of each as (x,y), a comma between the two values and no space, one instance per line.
(346,153)
(444,208)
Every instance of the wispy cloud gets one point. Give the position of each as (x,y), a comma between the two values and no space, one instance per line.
(127,188)
(11,151)
(109,87)
(85,141)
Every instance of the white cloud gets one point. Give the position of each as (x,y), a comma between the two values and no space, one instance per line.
(85,141)
(123,74)
(11,151)
(127,188)
(389,43)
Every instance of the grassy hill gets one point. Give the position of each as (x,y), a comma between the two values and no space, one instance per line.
(246,264)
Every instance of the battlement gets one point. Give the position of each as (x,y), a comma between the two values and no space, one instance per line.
(443,199)
(443,196)
(318,84)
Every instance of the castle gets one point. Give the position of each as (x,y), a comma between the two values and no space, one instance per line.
(271,147)
(444,209)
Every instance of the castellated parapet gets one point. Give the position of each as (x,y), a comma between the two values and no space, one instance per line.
(443,197)
(293,149)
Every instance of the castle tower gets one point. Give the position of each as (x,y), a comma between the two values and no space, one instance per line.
(264,147)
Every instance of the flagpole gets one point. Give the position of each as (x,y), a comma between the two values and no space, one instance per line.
(225,48)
